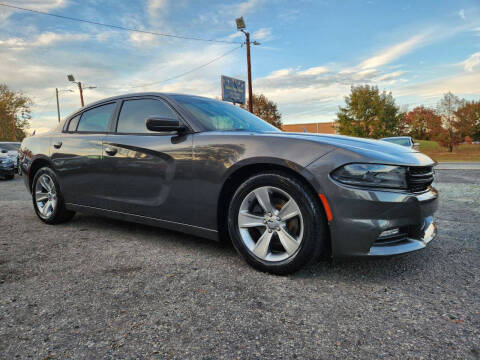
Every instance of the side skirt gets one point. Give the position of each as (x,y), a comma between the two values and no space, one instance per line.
(166,224)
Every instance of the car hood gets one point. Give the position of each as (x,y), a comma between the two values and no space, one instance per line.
(375,150)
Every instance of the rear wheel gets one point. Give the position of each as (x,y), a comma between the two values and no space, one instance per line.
(276,224)
(47,198)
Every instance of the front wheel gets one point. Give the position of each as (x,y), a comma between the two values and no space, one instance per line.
(47,198)
(276,224)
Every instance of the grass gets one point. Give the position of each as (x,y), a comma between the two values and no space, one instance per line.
(463,152)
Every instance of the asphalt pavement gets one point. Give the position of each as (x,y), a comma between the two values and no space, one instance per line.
(97,288)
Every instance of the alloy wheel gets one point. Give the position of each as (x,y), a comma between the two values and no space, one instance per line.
(270,224)
(45,196)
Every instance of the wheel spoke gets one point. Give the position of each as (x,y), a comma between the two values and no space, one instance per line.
(263,244)
(246,220)
(289,210)
(41,196)
(288,242)
(263,198)
(44,210)
(45,183)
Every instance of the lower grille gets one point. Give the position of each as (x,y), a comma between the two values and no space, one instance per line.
(419,178)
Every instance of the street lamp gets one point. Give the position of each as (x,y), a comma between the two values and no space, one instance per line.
(241,27)
(71,78)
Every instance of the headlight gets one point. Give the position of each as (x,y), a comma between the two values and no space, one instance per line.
(372,175)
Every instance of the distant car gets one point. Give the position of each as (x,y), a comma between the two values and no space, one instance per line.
(12,151)
(7,167)
(212,169)
(406,141)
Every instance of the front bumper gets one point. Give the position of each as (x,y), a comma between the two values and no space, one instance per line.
(360,217)
(4,171)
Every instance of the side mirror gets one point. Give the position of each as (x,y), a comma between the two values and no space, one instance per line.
(156,123)
(416,145)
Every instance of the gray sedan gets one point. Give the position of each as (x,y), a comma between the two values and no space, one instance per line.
(209,168)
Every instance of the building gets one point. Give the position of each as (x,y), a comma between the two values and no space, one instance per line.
(317,128)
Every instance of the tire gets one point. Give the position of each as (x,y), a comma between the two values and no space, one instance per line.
(46,189)
(261,237)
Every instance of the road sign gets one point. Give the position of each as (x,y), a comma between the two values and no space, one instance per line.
(233,90)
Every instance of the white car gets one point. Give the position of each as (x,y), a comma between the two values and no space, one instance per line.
(402,140)
(12,151)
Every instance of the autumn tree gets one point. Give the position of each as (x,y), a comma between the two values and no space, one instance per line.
(266,109)
(446,108)
(369,113)
(422,123)
(15,111)
(467,121)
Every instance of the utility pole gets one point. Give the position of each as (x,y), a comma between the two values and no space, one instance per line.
(58,105)
(241,27)
(13,124)
(249,67)
(58,102)
(81,93)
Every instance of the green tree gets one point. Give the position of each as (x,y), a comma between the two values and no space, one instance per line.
(15,108)
(369,113)
(447,108)
(266,109)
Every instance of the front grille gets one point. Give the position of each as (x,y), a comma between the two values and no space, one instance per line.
(419,178)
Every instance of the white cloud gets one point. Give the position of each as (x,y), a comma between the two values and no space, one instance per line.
(472,63)
(156,6)
(394,52)
(461,13)
(43,5)
(44,39)
(245,7)
(262,34)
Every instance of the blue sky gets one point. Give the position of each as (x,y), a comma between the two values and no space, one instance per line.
(311,52)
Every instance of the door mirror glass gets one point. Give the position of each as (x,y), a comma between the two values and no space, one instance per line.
(155,123)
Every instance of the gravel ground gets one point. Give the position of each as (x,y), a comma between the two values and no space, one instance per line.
(97,288)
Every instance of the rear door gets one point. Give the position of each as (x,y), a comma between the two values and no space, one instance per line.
(77,155)
(150,171)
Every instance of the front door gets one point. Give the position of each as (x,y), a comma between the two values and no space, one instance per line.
(150,172)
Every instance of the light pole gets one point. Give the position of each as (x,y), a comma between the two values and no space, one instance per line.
(241,27)
(58,104)
(72,79)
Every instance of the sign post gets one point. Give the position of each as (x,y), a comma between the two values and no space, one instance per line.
(233,90)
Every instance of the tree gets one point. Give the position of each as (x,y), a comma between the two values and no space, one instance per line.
(15,109)
(265,109)
(447,108)
(422,123)
(369,113)
(468,120)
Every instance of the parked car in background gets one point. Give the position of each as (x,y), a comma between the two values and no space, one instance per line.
(403,141)
(212,169)
(12,151)
(7,167)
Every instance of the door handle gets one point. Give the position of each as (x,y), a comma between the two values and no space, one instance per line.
(110,151)
(57,145)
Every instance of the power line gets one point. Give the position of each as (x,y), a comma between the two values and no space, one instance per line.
(117,26)
(179,75)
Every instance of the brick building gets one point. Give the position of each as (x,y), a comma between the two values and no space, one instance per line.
(318,128)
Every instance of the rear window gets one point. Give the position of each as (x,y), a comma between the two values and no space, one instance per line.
(72,125)
(96,119)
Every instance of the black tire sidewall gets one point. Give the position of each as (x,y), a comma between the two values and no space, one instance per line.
(314,223)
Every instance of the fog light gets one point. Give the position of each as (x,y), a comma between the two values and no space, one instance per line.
(388,233)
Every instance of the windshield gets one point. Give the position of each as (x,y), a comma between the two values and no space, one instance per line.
(399,141)
(10,146)
(222,116)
